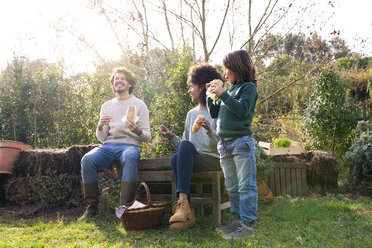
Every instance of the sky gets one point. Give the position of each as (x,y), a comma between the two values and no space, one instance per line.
(29,28)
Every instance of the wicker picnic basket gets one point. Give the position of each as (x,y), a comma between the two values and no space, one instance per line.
(147,217)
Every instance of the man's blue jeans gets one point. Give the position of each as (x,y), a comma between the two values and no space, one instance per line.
(186,160)
(105,156)
(239,167)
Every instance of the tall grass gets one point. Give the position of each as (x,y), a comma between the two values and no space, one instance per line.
(305,222)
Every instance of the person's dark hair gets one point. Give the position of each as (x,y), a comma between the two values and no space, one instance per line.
(201,74)
(128,76)
(240,63)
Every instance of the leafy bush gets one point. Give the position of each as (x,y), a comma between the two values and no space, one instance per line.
(358,159)
(264,164)
(329,118)
(282,142)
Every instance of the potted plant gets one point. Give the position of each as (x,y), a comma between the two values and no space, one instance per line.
(9,150)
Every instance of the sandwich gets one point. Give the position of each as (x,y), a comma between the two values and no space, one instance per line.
(211,95)
(131,113)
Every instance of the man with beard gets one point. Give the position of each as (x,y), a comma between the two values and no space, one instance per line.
(121,132)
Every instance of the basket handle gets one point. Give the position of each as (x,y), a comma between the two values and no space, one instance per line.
(147,193)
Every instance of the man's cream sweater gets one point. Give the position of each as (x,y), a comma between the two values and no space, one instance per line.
(117,131)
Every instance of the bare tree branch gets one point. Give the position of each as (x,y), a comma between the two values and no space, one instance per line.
(261,22)
(282,35)
(144,24)
(220,31)
(167,22)
(141,36)
(83,39)
(232,31)
(103,11)
(276,22)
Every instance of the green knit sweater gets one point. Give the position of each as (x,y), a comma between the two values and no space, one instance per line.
(234,110)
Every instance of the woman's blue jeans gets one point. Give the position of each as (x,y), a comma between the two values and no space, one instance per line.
(239,167)
(186,160)
(107,155)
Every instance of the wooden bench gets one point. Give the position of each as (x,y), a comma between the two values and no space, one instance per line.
(159,170)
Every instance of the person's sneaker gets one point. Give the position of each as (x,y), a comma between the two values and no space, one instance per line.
(229,227)
(241,232)
(183,225)
(182,211)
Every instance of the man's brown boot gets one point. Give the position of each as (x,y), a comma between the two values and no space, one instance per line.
(183,225)
(127,192)
(182,211)
(91,195)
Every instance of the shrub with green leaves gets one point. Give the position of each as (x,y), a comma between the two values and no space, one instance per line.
(358,159)
(330,116)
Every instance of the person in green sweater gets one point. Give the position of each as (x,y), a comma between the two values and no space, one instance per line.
(122,135)
(234,111)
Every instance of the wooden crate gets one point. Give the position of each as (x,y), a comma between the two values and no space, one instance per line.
(289,179)
(271,150)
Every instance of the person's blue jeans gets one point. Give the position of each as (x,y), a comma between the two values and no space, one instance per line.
(186,160)
(105,156)
(239,167)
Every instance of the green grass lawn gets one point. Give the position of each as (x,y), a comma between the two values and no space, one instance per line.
(308,222)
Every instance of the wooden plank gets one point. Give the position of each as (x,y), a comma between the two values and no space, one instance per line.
(225,205)
(283,185)
(294,182)
(199,192)
(288,182)
(174,190)
(289,165)
(206,175)
(295,148)
(201,200)
(277,181)
(216,192)
(299,182)
(156,197)
(272,182)
(158,176)
(304,182)
(154,163)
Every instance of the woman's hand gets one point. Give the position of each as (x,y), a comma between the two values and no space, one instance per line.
(104,120)
(133,127)
(205,124)
(165,132)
